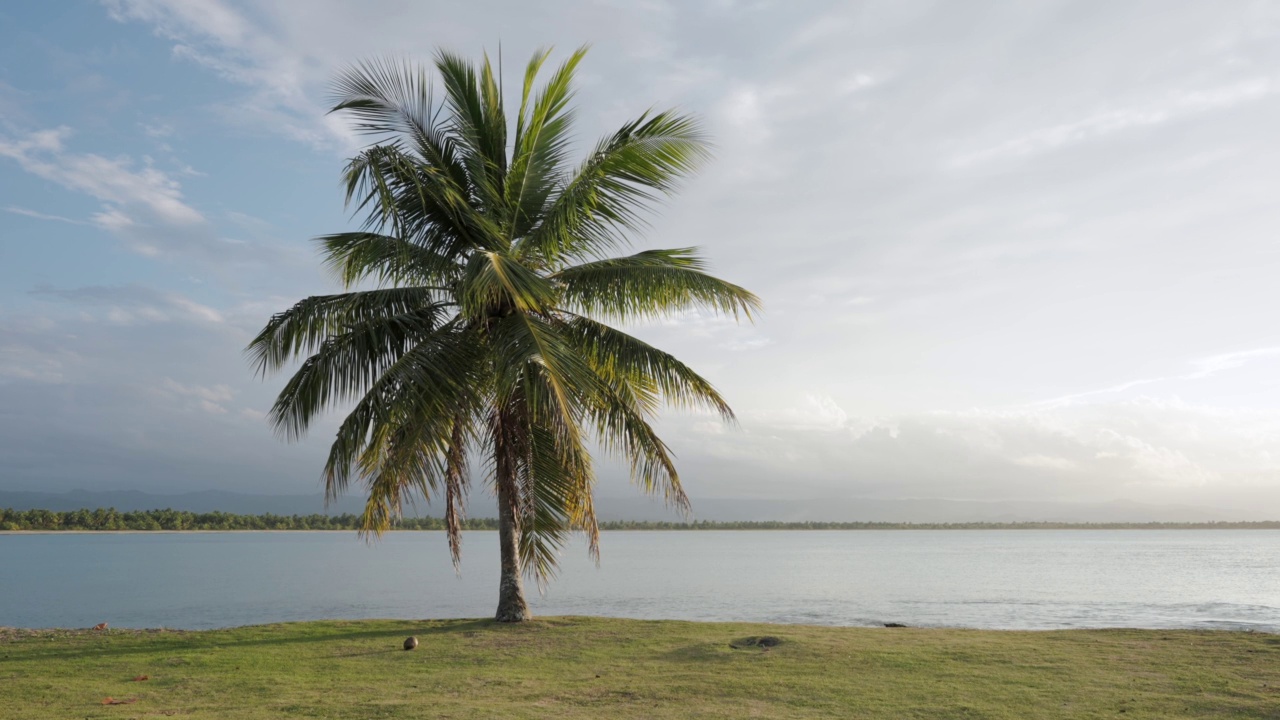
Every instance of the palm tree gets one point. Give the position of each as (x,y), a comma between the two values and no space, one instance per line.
(478,286)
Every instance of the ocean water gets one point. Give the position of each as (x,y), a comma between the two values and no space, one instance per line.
(1012,579)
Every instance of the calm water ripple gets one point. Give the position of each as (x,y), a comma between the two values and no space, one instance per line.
(1028,579)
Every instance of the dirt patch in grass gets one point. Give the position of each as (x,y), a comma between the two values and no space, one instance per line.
(762,642)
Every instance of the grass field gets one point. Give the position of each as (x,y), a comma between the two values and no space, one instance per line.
(577,667)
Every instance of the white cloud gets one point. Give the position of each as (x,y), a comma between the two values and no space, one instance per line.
(282,79)
(159,130)
(750,343)
(42,216)
(113,219)
(855,82)
(18,362)
(1044,461)
(751,114)
(1159,463)
(285,52)
(743,110)
(195,309)
(1228,361)
(142,205)
(210,18)
(1176,105)
(151,404)
(817,413)
(134,304)
(33,349)
(209,398)
(118,182)
(1143,449)
(1206,367)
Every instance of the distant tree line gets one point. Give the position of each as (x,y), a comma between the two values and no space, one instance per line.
(111,519)
(815,525)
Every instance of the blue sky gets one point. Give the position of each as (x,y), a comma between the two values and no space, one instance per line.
(1010,250)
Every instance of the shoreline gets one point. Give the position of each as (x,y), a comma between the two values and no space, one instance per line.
(888,527)
(7,632)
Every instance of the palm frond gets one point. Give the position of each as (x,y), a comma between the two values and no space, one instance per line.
(651,284)
(626,173)
(417,453)
(620,358)
(456,485)
(523,343)
(381,319)
(418,202)
(386,98)
(478,120)
(541,142)
(402,460)
(622,429)
(494,283)
(441,375)
(390,260)
(556,478)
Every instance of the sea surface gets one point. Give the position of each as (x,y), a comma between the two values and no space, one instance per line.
(1013,579)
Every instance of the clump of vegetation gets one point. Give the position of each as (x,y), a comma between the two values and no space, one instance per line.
(572,668)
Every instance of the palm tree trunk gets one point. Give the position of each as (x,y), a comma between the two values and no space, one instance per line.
(511,603)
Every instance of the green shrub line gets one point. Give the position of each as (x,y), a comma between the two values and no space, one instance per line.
(109,519)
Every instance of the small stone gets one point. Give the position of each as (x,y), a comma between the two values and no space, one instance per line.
(410,643)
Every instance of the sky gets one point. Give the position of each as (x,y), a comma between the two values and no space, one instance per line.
(1008,250)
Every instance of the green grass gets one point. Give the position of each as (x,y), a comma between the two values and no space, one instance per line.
(576,667)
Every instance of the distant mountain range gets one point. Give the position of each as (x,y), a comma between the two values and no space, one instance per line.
(641,508)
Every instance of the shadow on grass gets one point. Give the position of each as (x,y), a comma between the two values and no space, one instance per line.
(698,654)
(365,653)
(209,640)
